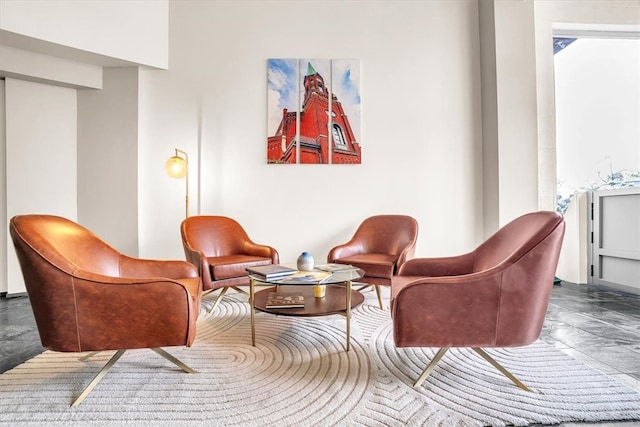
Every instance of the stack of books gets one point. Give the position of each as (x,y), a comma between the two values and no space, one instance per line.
(284,300)
(271,271)
(335,267)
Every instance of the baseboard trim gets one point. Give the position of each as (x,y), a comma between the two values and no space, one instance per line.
(16,295)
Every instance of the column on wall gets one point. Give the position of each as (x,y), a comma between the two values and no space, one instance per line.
(108,158)
(40,157)
(509,116)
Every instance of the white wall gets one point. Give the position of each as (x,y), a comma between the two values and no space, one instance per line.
(421,123)
(40,156)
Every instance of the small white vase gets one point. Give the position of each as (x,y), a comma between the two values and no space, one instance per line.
(305,262)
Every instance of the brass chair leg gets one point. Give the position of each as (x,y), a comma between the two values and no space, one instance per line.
(431,365)
(240,290)
(500,368)
(378,293)
(363,287)
(162,352)
(105,369)
(217,301)
(222,293)
(484,355)
(379,296)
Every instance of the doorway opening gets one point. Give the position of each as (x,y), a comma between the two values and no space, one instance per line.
(597,101)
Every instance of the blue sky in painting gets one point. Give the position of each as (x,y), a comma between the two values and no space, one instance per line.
(348,84)
(282,86)
(282,75)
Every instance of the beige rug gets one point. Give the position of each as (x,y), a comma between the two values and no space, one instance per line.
(299,375)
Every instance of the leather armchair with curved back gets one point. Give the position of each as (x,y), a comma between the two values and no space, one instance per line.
(494,296)
(380,246)
(88,297)
(222,250)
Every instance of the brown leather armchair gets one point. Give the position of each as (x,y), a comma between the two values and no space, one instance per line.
(380,246)
(222,250)
(495,296)
(88,297)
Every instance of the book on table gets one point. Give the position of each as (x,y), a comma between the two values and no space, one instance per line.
(335,267)
(307,277)
(271,271)
(285,300)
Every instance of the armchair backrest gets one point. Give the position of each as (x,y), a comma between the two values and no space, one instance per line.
(64,244)
(388,234)
(515,239)
(214,235)
(526,251)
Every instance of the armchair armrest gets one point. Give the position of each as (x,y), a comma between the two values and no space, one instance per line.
(350,248)
(405,256)
(422,310)
(251,248)
(438,267)
(119,312)
(200,261)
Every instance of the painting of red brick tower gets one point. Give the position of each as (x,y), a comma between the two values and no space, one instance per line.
(314,127)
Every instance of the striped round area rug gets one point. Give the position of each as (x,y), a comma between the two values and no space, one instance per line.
(299,374)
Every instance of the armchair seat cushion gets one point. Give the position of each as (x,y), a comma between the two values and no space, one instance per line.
(374,265)
(230,266)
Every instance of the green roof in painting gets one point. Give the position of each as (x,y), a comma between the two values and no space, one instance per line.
(310,69)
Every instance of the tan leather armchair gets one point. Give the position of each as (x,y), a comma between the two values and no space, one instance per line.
(494,296)
(222,250)
(88,297)
(380,246)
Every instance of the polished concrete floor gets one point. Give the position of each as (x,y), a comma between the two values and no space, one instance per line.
(599,326)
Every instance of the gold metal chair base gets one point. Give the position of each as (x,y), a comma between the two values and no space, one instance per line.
(217,301)
(118,354)
(482,353)
(378,293)
(222,293)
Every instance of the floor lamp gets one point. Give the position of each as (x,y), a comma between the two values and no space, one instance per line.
(178,167)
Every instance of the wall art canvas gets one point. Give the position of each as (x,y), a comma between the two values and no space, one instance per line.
(314,111)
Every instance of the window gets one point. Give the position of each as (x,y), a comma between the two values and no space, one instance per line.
(338,137)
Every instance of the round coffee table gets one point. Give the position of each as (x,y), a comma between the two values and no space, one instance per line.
(340,298)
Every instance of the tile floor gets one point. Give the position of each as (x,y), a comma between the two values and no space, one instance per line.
(597,325)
